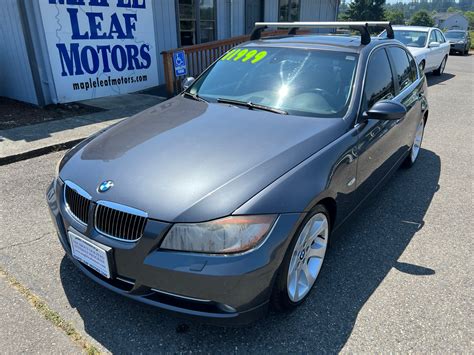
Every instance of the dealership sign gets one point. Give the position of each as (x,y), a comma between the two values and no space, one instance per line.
(99,47)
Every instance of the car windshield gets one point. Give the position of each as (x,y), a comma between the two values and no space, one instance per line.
(454,35)
(295,81)
(411,38)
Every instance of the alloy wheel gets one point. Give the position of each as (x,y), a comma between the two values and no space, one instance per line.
(307,257)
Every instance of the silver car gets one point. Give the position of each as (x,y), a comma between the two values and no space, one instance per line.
(427,44)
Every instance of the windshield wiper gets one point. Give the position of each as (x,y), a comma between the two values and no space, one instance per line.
(252,105)
(194,96)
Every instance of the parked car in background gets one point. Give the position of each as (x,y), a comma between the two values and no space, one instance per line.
(223,199)
(459,40)
(427,44)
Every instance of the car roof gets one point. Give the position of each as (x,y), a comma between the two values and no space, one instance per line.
(463,31)
(412,28)
(341,43)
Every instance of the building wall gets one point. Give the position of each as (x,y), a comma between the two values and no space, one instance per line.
(223,19)
(271,10)
(16,80)
(166,33)
(318,10)
(237,20)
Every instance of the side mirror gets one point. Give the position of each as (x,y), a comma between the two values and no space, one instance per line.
(434,44)
(187,82)
(386,110)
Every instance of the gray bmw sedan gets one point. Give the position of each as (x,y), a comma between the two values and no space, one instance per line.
(222,200)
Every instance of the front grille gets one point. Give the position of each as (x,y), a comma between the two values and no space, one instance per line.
(120,222)
(77,204)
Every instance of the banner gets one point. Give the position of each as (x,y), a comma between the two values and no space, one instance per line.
(99,47)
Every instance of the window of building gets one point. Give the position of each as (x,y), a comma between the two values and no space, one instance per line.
(403,70)
(379,80)
(197,21)
(253,13)
(289,10)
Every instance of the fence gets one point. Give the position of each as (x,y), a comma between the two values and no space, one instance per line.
(200,56)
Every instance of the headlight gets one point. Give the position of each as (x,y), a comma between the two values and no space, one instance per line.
(222,236)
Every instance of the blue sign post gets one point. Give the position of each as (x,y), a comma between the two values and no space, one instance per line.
(179,61)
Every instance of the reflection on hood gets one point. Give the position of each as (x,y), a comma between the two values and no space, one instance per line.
(142,127)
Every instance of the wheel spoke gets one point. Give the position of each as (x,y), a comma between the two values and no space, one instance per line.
(314,265)
(293,285)
(317,250)
(318,228)
(310,278)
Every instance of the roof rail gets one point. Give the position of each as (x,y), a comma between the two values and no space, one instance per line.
(362,27)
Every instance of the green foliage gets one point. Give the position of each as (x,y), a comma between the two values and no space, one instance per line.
(452,9)
(422,18)
(396,17)
(470,17)
(365,10)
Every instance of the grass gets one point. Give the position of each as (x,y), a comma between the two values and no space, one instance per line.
(49,314)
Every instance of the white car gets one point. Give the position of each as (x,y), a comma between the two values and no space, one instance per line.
(427,44)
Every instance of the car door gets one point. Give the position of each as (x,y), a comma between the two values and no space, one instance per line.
(433,57)
(409,92)
(443,44)
(379,141)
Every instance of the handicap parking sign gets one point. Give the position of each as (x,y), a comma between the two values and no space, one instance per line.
(179,61)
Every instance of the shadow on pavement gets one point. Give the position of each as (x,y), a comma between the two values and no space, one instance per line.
(363,252)
(435,80)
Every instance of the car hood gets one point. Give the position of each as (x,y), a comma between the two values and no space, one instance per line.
(189,161)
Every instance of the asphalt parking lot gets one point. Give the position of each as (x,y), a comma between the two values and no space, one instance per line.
(398,276)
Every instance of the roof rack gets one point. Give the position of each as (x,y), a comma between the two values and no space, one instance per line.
(362,27)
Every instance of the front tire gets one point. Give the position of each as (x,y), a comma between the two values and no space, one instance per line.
(440,70)
(410,160)
(303,261)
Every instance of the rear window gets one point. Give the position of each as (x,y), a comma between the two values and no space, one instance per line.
(403,70)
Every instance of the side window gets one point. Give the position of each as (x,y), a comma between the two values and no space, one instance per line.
(440,37)
(433,37)
(413,67)
(403,69)
(378,81)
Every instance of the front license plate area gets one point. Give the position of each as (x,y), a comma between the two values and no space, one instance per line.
(89,254)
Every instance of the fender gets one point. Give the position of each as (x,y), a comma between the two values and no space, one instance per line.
(329,173)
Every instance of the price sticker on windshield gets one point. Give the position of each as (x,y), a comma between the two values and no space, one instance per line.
(244,55)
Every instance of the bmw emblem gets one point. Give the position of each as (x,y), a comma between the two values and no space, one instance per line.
(105,186)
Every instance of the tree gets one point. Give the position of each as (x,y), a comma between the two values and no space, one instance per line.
(365,10)
(470,17)
(421,18)
(452,9)
(396,17)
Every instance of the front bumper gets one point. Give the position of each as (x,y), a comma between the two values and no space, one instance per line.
(458,46)
(216,289)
